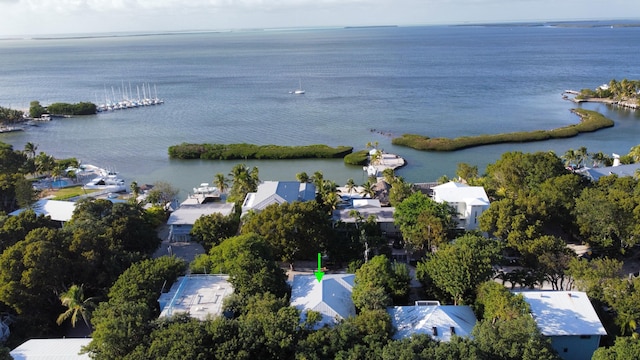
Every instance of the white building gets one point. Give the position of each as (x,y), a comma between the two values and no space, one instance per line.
(199,295)
(57,210)
(181,220)
(568,319)
(331,297)
(278,192)
(469,201)
(441,322)
(51,349)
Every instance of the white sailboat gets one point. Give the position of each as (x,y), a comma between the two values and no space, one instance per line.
(298,91)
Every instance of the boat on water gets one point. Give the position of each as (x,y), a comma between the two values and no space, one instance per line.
(299,90)
(108,182)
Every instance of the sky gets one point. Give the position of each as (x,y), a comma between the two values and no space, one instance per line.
(40,17)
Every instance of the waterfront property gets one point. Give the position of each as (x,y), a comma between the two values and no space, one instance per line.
(60,211)
(620,170)
(568,319)
(278,192)
(441,322)
(199,295)
(469,201)
(331,297)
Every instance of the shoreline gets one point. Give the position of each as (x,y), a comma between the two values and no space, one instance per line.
(622,103)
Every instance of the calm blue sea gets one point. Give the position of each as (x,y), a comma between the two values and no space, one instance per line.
(362,85)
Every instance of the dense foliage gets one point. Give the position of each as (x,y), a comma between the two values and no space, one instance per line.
(357,158)
(618,90)
(10,115)
(589,121)
(251,151)
(81,108)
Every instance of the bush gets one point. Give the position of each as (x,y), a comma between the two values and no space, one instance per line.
(357,158)
(251,151)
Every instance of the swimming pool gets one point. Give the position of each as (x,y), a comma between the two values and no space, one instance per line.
(60,183)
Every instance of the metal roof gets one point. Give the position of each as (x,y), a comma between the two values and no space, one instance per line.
(331,297)
(438,321)
(51,349)
(560,313)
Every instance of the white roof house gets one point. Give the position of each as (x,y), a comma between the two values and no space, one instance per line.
(51,349)
(331,297)
(57,210)
(199,295)
(278,192)
(568,319)
(440,322)
(469,201)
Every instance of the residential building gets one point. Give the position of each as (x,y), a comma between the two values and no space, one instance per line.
(469,201)
(181,220)
(40,349)
(278,192)
(199,295)
(568,319)
(620,170)
(57,210)
(441,322)
(331,297)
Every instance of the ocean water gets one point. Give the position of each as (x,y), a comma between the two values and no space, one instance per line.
(362,85)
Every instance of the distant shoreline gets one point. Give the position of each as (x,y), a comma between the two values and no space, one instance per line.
(589,121)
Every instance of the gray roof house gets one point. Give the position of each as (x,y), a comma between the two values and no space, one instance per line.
(278,192)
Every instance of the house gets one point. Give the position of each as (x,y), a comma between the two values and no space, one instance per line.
(181,220)
(469,201)
(331,297)
(41,349)
(278,192)
(620,170)
(440,322)
(383,216)
(60,211)
(568,319)
(199,295)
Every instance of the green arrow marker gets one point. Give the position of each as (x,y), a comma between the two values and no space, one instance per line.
(319,273)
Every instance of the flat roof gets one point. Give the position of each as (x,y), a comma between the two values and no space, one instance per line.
(188,214)
(561,313)
(51,349)
(200,295)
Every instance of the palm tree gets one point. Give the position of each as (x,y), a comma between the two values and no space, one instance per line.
(303,177)
(30,149)
(569,157)
(135,189)
(368,190)
(76,305)
(221,182)
(351,185)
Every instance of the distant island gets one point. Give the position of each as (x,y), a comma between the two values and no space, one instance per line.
(259,152)
(589,121)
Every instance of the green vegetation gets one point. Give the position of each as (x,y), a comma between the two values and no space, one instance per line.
(8,116)
(357,158)
(251,151)
(36,110)
(71,192)
(616,90)
(82,108)
(589,121)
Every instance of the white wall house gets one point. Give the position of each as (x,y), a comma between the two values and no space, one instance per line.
(568,319)
(469,201)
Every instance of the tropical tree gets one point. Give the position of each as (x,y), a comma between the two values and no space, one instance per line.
(368,190)
(76,305)
(303,177)
(30,149)
(221,182)
(351,186)
(458,268)
(244,181)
